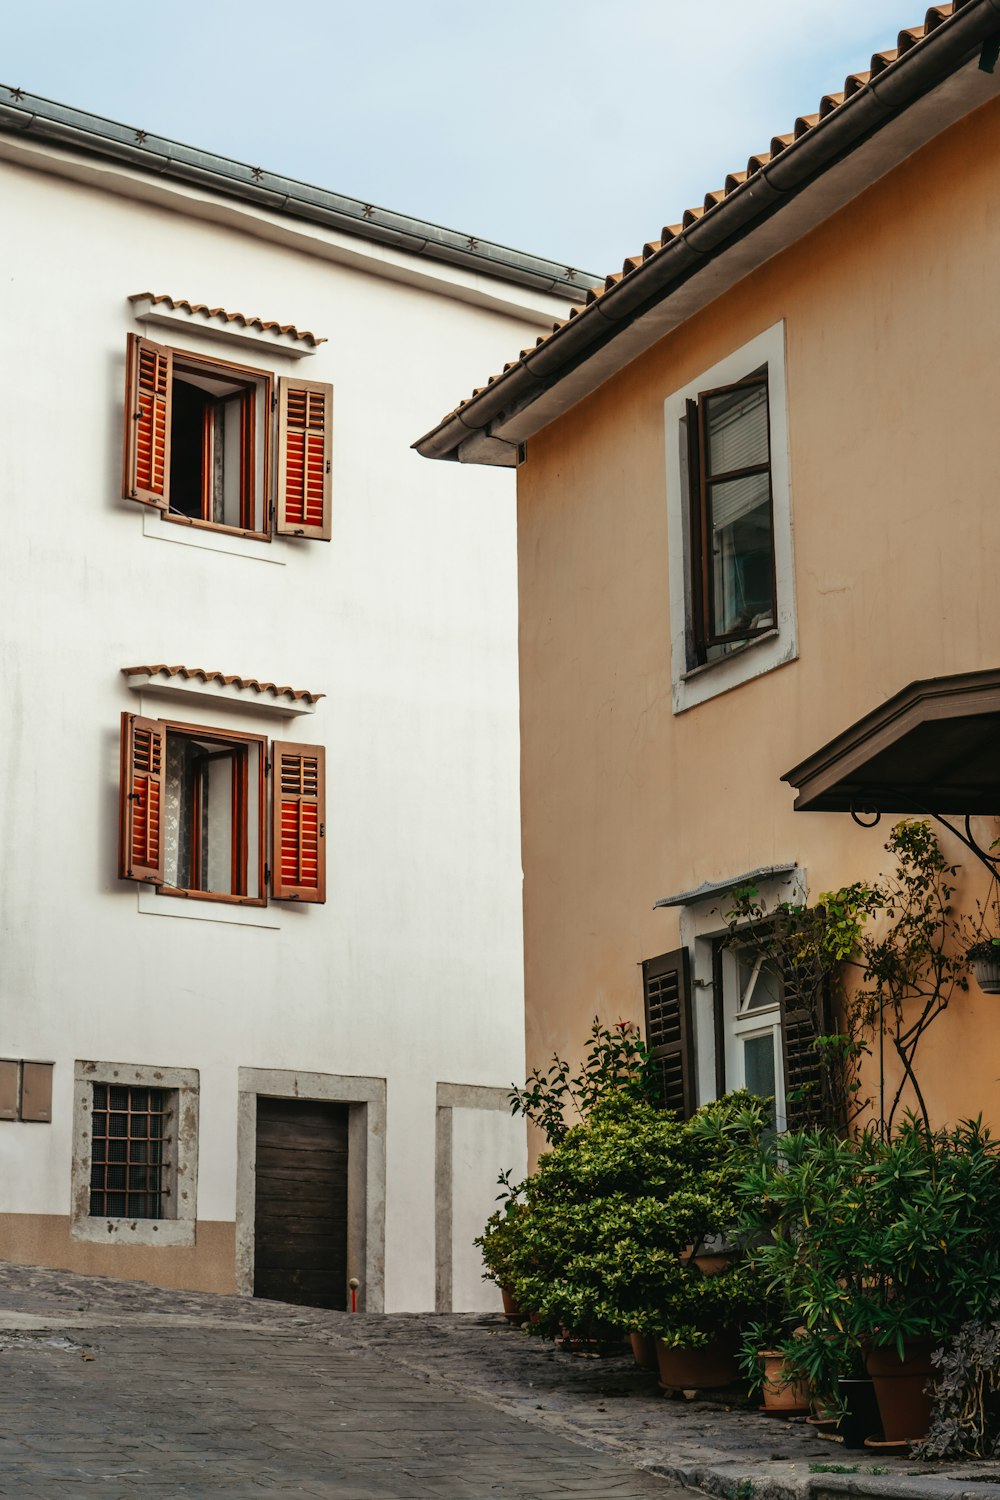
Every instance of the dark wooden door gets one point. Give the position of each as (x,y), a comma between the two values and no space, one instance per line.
(300,1220)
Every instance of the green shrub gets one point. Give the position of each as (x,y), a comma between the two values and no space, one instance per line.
(614,1205)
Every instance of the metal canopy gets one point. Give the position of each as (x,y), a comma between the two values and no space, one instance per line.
(720,887)
(934,747)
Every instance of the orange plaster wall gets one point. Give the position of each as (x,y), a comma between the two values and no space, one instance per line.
(892,316)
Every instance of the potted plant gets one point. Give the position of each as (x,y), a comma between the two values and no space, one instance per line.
(609,1211)
(984,957)
(883,1249)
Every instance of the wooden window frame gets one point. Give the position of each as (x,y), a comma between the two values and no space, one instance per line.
(228,740)
(700,481)
(256,384)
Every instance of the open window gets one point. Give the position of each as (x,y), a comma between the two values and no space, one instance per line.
(732,532)
(201,436)
(193,813)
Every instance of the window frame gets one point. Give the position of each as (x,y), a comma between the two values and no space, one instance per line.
(700,483)
(295,467)
(256,383)
(175,1231)
(240,796)
(694,678)
(291,829)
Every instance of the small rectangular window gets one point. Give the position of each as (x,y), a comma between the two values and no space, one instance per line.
(131,1137)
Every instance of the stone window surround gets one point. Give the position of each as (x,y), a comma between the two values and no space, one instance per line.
(452,1096)
(175,1232)
(775,647)
(366,1098)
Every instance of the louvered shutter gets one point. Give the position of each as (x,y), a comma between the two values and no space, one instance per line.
(140,851)
(669,1030)
(298,812)
(149,374)
(803,1067)
(305,453)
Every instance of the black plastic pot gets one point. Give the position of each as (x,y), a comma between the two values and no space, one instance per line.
(861,1419)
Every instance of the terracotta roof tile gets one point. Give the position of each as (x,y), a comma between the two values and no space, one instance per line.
(829,104)
(221,315)
(160,669)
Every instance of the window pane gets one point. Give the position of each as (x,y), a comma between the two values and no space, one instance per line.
(736,429)
(217,825)
(741,554)
(758,1064)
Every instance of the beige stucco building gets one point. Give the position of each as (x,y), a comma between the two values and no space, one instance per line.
(824,334)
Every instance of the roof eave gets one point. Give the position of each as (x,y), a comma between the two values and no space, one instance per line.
(511,407)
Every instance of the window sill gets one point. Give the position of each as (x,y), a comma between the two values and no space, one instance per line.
(210,538)
(154,903)
(168,1233)
(710,666)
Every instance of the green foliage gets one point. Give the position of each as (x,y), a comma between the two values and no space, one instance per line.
(966,1420)
(913,966)
(613,1206)
(808,947)
(874,1241)
(617,1061)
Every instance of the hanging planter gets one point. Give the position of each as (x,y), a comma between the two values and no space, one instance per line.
(985,959)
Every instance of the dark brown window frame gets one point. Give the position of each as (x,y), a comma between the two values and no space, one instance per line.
(700,482)
(229,740)
(256,384)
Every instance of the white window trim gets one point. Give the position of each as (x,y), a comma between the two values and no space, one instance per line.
(700,923)
(231,543)
(177,1232)
(695,685)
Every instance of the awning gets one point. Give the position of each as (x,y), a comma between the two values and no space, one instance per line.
(720,887)
(934,747)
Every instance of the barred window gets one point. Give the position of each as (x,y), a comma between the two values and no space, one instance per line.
(131,1130)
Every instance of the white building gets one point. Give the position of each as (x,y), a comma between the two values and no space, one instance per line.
(221,1068)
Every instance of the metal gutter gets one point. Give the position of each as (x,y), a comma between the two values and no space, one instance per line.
(60,124)
(750,204)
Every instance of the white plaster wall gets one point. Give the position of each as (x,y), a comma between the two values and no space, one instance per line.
(485,1143)
(407,620)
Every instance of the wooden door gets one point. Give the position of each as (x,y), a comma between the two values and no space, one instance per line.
(300,1219)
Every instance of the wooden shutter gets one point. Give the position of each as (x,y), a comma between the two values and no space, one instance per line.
(148,383)
(140,800)
(803,1067)
(666,984)
(305,451)
(298,813)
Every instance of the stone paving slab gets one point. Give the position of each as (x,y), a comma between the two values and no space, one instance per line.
(104,1392)
(254,1397)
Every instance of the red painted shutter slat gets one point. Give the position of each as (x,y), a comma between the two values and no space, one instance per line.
(140,796)
(305,459)
(149,375)
(298,820)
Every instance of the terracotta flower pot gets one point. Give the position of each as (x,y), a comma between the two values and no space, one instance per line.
(900,1388)
(699,1369)
(511,1311)
(714,1265)
(780,1393)
(644,1349)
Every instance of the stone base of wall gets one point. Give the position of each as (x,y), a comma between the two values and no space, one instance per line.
(209,1265)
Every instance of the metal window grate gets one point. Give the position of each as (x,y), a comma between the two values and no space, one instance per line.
(127,1177)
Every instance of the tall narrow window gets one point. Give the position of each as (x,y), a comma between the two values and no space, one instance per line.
(732,535)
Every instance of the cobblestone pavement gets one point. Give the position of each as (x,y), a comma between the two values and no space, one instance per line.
(126,1391)
(120,1390)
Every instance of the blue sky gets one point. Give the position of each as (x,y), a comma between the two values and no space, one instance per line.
(570,130)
